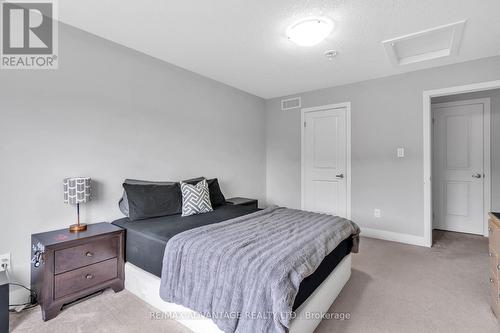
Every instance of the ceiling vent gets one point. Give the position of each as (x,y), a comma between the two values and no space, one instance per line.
(434,43)
(291,103)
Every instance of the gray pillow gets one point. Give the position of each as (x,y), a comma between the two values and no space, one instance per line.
(123,203)
(195,198)
(216,197)
(153,200)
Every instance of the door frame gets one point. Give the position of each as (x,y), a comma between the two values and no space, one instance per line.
(427,143)
(486,151)
(347,106)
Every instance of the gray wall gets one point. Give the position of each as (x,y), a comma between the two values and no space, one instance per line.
(494,96)
(386,114)
(112,113)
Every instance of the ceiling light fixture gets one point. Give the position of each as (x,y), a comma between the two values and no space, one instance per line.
(310,31)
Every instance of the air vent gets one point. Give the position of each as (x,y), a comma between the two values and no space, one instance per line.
(290,104)
(434,43)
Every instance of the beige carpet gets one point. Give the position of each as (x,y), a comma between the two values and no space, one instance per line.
(393,288)
(403,288)
(106,313)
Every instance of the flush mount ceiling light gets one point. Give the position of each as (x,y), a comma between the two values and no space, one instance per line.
(310,31)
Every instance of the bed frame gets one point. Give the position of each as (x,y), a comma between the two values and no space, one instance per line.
(147,287)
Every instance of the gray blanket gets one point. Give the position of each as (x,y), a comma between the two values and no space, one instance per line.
(244,273)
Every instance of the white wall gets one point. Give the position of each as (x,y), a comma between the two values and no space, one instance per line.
(494,96)
(386,114)
(112,113)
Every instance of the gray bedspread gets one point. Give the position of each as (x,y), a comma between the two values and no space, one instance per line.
(244,273)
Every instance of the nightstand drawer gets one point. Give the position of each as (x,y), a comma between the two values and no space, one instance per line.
(86,254)
(82,278)
(494,264)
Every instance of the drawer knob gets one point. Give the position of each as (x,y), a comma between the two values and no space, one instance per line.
(498,267)
(89,254)
(490,254)
(491,280)
(89,276)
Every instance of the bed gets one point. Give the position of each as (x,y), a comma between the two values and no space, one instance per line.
(146,241)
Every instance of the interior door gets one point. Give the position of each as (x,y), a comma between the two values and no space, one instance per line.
(458,166)
(325,162)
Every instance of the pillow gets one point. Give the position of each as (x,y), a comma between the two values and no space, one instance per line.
(195,198)
(123,203)
(216,197)
(153,200)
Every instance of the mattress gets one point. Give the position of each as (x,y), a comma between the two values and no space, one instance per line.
(145,242)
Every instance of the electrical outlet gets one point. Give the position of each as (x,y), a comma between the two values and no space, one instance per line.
(377,213)
(4,262)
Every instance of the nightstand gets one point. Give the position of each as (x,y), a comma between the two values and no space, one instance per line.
(68,266)
(243,202)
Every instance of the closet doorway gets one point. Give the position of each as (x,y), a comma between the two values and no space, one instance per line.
(461,155)
(326,159)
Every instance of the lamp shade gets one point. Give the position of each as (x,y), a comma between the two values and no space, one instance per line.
(76,190)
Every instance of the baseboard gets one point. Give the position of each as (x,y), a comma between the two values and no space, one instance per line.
(394,237)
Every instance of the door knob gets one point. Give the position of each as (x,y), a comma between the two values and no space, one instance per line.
(476,175)
(341,176)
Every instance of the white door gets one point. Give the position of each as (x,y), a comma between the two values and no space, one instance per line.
(458,166)
(325,161)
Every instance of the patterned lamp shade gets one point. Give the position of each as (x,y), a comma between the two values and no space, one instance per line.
(76,190)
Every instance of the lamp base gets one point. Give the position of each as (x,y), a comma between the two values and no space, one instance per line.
(77,227)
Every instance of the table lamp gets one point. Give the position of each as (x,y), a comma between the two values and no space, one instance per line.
(77,191)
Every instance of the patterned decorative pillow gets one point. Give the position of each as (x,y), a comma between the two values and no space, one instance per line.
(195,198)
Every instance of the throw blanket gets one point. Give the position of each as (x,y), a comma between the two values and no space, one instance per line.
(244,273)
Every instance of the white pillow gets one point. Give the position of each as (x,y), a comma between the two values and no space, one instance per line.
(195,198)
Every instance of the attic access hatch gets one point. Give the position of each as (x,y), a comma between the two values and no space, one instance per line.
(443,41)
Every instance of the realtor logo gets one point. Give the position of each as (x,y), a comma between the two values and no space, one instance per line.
(29,35)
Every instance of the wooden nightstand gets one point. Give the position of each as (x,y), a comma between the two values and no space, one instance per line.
(243,202)
(68,266)
(494,253)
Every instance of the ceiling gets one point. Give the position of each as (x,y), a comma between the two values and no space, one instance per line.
(242,43)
